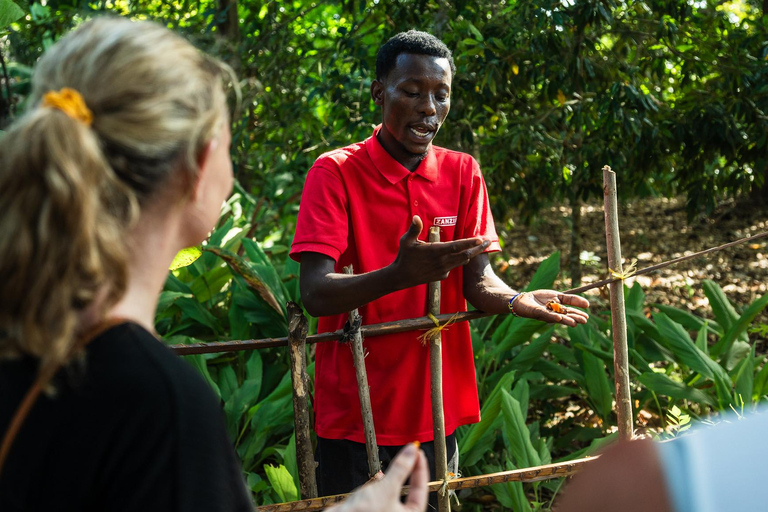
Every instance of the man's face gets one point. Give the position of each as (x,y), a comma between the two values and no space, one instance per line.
(414,98)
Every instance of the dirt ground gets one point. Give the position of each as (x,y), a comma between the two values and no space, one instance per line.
(652,231)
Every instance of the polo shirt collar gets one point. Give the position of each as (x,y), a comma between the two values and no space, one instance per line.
(393,170)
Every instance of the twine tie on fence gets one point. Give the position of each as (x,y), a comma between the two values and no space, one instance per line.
(350,330)
(431,333)
(444,488)
(628,272)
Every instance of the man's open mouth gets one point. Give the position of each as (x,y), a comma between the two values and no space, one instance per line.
(422,131)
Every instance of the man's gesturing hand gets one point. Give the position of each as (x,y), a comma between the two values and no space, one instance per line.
(422,262)
(384,495)
(534,305)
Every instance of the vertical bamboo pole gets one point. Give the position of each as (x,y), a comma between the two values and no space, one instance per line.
(618,314)
(297,338)
(436,375)
(358,354)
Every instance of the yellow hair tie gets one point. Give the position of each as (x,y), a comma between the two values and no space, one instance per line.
(70,102)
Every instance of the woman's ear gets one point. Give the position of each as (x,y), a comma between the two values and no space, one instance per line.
(203,166)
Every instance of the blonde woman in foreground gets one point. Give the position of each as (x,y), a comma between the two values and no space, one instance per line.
(122,160)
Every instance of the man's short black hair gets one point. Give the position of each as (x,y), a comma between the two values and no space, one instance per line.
(413,41)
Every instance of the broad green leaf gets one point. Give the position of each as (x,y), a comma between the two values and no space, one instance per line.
(184,257)
(532,352)
(194,310)
(239,327)
(238,403)
(744,377)
(521,392)
(599,388)
(635,298)
(511,495)
(272,414)
(724,312)
(689,321)
(661,384)
(678,340)
(168,298)
(9,12)
(512,332)
(515,331)
(516,432)
(475,32)
(739,350)
(199,362)
(546,273)
(552,391)
(646,325)
(606,357)
(282,482)
(562,353)
(290,461)
(738,328)
(254,367)
(242,268)
(598,385)
(559,372)
(210,283)
(701,339)
(690,355)
(227,381)
(760,386)
(488,414)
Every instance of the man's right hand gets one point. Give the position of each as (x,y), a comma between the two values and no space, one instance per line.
(421,262)
(326,292)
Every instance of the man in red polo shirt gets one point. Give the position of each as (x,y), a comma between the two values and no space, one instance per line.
(357,203)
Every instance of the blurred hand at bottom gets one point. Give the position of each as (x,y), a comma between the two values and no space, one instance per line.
(383,495)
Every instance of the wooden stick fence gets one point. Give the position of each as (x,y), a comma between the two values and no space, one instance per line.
(298,339)
(526,475)
(436,385)
(358,355)
(297,328)
(413,324)
(618,315)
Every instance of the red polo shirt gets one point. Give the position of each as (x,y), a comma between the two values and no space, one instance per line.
(357,203)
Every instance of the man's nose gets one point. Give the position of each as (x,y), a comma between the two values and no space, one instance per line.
(427,105)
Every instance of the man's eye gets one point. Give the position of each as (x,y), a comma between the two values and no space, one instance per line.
(411,94)
(442,99)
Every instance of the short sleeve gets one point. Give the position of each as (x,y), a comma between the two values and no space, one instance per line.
(479,219)
(323,221)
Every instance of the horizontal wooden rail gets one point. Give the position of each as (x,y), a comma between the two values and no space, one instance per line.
(535,474)
(410,324)
(423,322)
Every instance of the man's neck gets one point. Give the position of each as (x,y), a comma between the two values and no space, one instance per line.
(408,160)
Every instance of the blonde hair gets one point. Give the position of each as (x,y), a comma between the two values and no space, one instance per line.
(69,191)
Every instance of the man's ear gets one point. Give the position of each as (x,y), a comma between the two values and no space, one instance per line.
(203,161)
(377,92)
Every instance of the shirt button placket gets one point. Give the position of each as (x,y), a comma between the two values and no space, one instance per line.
(415,202)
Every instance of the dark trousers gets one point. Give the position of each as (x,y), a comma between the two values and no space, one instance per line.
(343,465)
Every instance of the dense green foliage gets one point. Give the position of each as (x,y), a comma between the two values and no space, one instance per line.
(671,94)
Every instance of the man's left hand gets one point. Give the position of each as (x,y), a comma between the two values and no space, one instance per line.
(552,306)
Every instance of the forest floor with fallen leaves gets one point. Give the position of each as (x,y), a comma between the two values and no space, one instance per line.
(652,231)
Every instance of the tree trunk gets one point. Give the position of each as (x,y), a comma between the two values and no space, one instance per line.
(229,21)
(575,255)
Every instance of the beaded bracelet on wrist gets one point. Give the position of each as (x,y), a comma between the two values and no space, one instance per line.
(511,302)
